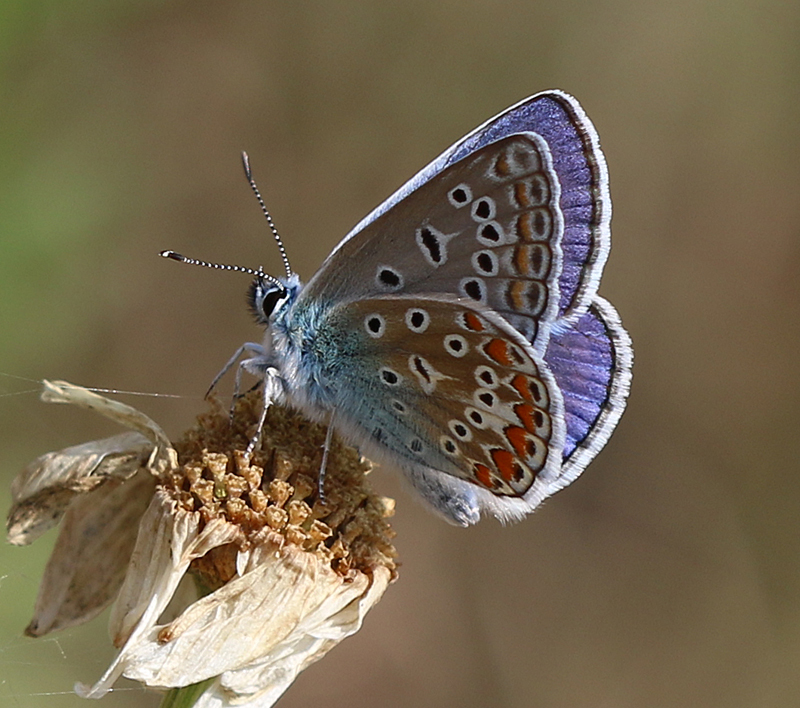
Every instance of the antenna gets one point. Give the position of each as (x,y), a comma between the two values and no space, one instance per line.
(248,173)
(219,266)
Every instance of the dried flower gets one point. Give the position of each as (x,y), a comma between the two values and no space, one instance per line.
(279,577)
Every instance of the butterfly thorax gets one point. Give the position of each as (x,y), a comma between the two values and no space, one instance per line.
(309,357)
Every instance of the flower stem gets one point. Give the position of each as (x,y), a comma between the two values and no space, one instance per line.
(186,696)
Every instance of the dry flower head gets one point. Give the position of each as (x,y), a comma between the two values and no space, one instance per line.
(283,576)
(276,491)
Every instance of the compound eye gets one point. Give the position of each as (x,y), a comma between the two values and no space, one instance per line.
(263,299)
(270,300)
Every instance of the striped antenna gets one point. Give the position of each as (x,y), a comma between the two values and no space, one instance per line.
(249,174)
(219,266)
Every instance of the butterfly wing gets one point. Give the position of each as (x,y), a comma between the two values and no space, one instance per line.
(591,359)
(576,165)
(487,228)
(511,224)
(449,392)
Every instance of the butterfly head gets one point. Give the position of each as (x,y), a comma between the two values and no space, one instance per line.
(269,298)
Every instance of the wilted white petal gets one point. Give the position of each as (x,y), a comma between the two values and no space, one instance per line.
(286,600)
(43,491)
(45,488)
(100,458)
(100,490)
(91,555)
(127,416)
(263,683)
(169,540)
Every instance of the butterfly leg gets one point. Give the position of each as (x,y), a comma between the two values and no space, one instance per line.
(237,386)
(324,464)
(273,392)
(253,350)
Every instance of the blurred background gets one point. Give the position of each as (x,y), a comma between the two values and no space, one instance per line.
(668,575)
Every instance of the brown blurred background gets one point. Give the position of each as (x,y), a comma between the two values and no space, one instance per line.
(669,574)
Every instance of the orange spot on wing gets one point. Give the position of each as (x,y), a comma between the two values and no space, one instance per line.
(501,166)
(532,260)
(517,293)
(525,227)
(518,437)
(520,384)
(506,464)
(526,412)
(473,322)
(521,195)
(528,389)
(484,475)
(529,296)
(522,260)
(497,350)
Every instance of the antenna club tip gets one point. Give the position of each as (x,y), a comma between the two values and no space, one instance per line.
(246,163)
(171,254)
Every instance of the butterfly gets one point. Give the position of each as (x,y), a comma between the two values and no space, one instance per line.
(456,332)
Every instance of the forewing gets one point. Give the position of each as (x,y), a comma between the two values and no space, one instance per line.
(579,168)
(487,228)
(581,171)
(445,385)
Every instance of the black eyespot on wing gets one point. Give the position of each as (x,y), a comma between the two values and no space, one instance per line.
(476,417)
(489,232)
(419,364)
(483,208)
(389,278)
(455,345)
(430,242)
(485,263)
(473,289)
(389,376)
(459,195)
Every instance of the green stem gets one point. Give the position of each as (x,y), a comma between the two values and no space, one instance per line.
(186,696)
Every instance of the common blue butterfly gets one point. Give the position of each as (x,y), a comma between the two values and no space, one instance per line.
(456,332)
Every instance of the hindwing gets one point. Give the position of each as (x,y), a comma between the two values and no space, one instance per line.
(446,385)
